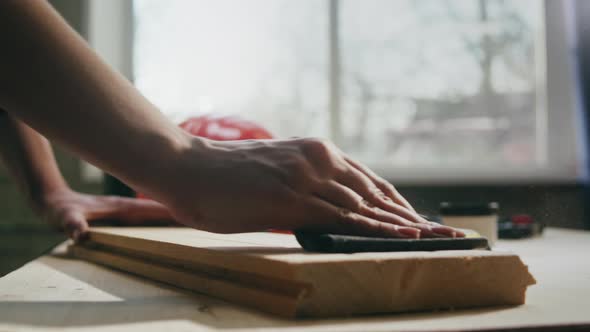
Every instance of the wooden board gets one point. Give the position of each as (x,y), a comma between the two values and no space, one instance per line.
(55,293)
(272,273)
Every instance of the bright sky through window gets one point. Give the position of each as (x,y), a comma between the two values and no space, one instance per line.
(424,83)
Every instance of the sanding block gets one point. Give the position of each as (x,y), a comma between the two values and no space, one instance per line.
(335,243)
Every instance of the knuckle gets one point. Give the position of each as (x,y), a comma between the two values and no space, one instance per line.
(348,219)
(375,193)
(367,208)
(316,147)
(400,221)
(375,227)
(380,228)
(344,213)
(344,216)
(381,183)
(389,188)
(360,205)
(323,156)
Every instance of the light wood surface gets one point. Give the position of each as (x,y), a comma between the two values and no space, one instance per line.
(54,293)
(272,273)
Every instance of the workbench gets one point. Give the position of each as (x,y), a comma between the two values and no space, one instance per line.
(56,293)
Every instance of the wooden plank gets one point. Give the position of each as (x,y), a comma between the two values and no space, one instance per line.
(273,301)
(54,293)
(318,284)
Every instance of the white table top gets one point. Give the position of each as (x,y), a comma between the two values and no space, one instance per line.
(54,292)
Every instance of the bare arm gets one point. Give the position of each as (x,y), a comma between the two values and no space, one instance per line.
(55,83)
(51,80)
(29,158)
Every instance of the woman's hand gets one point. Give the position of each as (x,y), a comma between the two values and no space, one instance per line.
(306,183)
(72,212)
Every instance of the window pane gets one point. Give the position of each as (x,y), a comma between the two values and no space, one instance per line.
(442,83)
(425,84)
(265,59)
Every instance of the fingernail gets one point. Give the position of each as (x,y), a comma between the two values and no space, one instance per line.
(368,204)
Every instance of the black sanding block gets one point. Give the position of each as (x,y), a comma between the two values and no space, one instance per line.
(334,243)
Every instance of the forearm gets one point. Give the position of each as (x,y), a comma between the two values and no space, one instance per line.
(29,158)
(52,81)
(56,84)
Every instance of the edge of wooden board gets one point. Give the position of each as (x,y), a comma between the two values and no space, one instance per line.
(391,282)
(244,262)
(264,299)
(286,262)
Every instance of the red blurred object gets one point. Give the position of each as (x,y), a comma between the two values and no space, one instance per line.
(521,219)
(224,128)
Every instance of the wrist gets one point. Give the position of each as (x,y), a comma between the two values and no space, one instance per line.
(159,171)
(43,199)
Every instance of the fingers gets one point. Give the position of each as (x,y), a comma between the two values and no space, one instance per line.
(360,183)
(343,221)
(339,195)
(75,226)
(344,183)
(130,210)
(344,197)
(426,229)
(387,188)
(390,211)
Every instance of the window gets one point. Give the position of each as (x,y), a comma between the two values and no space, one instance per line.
(262,59)
(417,89)
(441,83)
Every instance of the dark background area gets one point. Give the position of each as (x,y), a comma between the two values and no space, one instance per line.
(23,236)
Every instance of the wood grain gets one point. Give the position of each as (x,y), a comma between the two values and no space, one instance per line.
(270,272)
